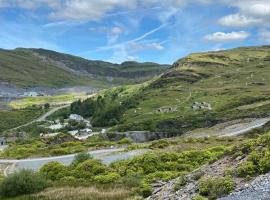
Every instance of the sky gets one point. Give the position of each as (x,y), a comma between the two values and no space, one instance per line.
(141,30)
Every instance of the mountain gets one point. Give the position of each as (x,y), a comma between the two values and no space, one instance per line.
(45,68)
(200,90)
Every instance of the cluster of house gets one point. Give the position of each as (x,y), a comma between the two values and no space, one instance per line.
(80,134)
(201,106)
(166,109)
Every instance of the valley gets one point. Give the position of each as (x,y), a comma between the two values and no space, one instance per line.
(198,129)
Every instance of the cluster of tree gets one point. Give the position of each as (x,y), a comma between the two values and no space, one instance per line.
(105,111)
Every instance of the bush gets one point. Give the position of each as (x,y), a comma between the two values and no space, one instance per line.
(90,168)
(246,169)
(264,163)
(22,182)
(124,141)
(214,188)
(80,158)
(145,189)
(107,178)
(54,170)
(159,144)
(180,182)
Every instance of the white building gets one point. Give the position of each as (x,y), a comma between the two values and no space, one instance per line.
(76,117)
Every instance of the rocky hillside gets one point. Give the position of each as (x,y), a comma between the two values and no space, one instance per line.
(200,90)
(45,68)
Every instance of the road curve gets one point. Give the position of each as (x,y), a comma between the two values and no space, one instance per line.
(41,118)
(107,156)
(49,113)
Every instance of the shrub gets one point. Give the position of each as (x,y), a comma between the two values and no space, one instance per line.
(81,157)
(22,182)
(131,181)
(90,168)
(246,169)
(159,144)
(54,170)
(264,163)
(214,188)
(124,141)
(107,178)
(145,189)
(180,182)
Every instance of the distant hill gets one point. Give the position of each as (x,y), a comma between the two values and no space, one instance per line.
(199,90)
(45,68)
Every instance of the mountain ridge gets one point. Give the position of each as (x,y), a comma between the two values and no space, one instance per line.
(62,69)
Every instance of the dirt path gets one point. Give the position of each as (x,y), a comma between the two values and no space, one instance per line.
(41,118)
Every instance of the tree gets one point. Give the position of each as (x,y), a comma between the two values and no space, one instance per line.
(46,105)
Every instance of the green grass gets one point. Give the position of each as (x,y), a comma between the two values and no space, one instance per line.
(14,118)
(52,100)
(25,68)
(230,81)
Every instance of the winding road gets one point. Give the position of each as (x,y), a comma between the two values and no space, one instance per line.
(107,156)
(42,117)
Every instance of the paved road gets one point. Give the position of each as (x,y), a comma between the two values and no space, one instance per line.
(233,128)
(107,156)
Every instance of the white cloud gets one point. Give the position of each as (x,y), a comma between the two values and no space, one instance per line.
(93,10)
(134,46)
(264,35)
(227,37)
(250,13)
(29,4)
(238,20)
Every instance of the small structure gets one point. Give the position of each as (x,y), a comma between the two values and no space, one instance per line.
(31,94)
(76,117)
(2,141)
(56,126)
(167,109)
(201,106)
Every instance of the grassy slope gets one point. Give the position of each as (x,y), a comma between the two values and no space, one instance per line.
(235,82)
(35,68)
(132,70)
(24,70)
(14,118)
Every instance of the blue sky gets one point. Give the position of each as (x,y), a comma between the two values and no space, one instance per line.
(142,30)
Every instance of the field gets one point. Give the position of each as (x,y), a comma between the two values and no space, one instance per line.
(52,100)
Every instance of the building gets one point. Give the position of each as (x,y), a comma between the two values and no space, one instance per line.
(201,106)
(30,94)
(167,109)
(76,117)
(2,141)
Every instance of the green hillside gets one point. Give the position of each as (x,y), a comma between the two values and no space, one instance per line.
(232,84)
(39,67)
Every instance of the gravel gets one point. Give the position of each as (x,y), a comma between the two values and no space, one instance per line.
(259,189)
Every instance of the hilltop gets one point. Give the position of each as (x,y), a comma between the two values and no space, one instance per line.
(44,68)
(200,90)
